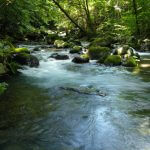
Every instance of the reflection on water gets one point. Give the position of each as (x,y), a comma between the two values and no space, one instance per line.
(36,114)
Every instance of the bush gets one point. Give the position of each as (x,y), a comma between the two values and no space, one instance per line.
(3,87)
(97,52)
(106,41)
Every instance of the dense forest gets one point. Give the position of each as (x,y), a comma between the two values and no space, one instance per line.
(74,51)
(124,20)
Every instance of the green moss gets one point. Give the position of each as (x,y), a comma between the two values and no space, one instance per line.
(131,62)
(3,87)
(113,60)
(60,44)
(96,52)
(76,49)
(85,56)
(21,50)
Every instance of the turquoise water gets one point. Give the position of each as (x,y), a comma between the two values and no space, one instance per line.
(37,112)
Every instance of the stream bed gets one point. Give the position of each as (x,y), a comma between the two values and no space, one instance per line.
(40,112)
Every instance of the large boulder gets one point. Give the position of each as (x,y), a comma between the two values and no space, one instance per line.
(26,59)
(76,49)
(60,44)
(97,52)
(113,60)
(59,56)
(80,60)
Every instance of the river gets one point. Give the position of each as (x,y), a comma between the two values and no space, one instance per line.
(38,112)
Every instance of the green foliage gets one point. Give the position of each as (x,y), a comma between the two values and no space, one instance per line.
(97,52)
(85,56)
(21,17)
(13,67)
(3,87)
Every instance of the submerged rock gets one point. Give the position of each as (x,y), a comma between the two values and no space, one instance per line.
(59,56)
(80,60)
(36,48)
(90,90)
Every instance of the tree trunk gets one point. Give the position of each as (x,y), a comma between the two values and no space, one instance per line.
(136,16)
(88,16)
(68,16)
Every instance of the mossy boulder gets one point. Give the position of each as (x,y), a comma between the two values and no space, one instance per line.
(85,56)
(76,49)
(60,44)
(21,50)
(130,62)
(97,52)
(26,59)
(113,60)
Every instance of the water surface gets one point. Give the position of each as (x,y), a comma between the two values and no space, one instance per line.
(36,113)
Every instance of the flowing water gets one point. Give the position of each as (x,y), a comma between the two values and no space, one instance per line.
(40,112)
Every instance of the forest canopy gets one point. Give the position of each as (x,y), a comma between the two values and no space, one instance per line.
(19,18)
